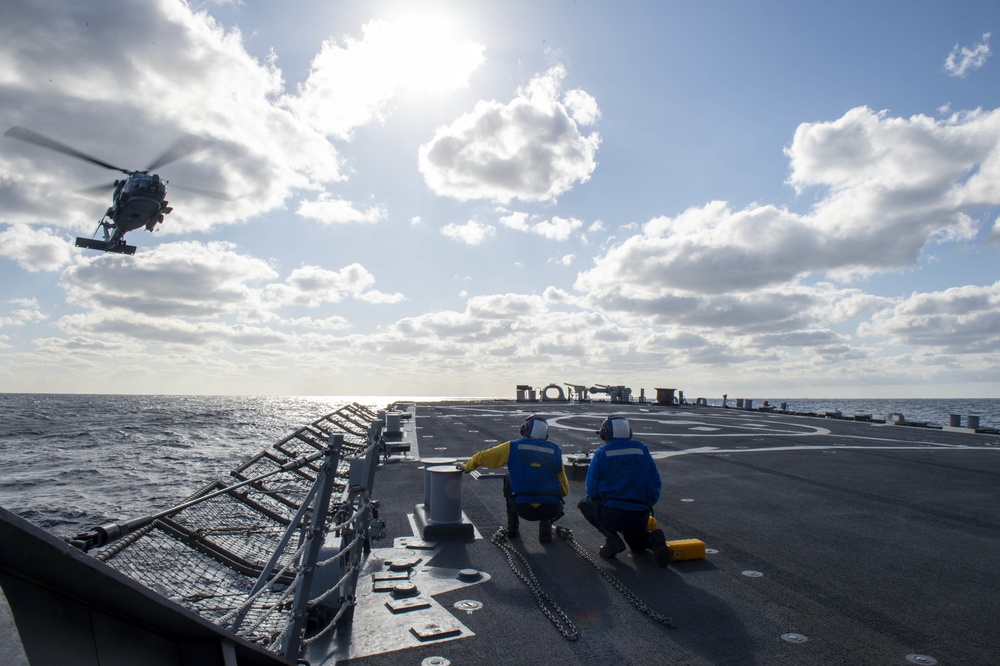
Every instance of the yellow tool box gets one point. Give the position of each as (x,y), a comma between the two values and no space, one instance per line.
(686,549)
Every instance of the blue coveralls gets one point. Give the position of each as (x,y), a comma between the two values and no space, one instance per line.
(622,486)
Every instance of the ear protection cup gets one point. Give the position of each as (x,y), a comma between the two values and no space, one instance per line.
(535,427)
(615,427)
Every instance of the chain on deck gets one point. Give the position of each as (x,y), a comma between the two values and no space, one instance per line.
(547,605)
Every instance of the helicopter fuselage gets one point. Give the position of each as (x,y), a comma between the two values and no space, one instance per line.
(138,202)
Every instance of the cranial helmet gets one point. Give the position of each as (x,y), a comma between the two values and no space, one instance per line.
(535,427)
(615,427)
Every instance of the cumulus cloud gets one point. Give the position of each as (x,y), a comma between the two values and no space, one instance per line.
(960,320)
(311,286)
(557,228)
(994,236)
(173,280)
(21,311)
(35,249)
(144,329)
(963,60)
(530,149)
(203,296)
(336,211)
(470,233)
(334,323)
(260,151)
(890,186)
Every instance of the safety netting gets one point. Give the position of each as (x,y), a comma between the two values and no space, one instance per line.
(209,555)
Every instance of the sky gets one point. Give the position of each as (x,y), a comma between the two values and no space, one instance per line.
(762,199)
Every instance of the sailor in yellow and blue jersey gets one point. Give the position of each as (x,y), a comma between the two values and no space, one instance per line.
(535,482)
(622,486)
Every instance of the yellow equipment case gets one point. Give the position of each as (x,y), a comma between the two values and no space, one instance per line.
(686,549)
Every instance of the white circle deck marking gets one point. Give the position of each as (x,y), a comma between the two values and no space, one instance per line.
(718,426)
(793,637)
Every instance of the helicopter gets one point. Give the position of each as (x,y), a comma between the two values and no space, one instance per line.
(137,201)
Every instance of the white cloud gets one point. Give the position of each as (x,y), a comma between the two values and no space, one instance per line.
(530,149)
(558,228)
(24,311)
(35,249)
(960,320)
(311,286)
(963,60)
(994,236)
(334,323)
(891,186)
(170,331)
(184,279)
(470,233)
(516,220)
(260,151)
(336,211)
(376,296)
(582,106)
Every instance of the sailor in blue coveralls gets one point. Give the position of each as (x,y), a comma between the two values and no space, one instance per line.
(535,482)
(622,486)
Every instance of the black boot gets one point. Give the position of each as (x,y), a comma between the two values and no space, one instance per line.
(612,546)
(512,526)
(545,531)
(658,544)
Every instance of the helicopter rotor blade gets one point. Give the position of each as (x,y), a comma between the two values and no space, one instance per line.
(205,193)
(25,134)
(184,146)
(97,190)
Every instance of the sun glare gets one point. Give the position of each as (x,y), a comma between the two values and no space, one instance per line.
(430,54)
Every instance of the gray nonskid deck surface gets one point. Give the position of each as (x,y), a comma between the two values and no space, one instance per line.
(874,543)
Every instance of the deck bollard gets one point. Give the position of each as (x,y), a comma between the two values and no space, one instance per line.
(445,493)
(393,423)
(440,516)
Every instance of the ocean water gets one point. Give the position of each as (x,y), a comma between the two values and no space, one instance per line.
(70,462)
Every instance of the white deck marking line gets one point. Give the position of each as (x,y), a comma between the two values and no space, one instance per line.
(832,447)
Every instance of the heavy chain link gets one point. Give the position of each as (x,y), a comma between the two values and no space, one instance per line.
(549,608)
(616,583)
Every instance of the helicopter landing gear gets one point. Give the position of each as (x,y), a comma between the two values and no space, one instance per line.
(109,244)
